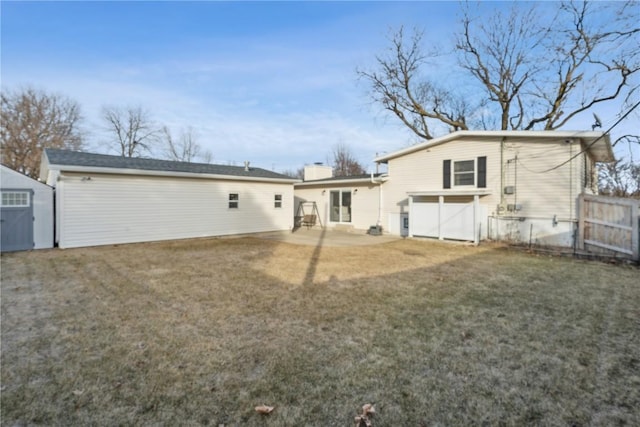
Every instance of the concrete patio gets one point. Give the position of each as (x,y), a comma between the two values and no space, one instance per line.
(317,236)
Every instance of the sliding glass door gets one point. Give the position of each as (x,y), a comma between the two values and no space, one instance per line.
(340,205)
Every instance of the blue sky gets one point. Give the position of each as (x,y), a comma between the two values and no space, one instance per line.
(269,82)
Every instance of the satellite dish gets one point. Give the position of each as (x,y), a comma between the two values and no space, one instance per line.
(598,123)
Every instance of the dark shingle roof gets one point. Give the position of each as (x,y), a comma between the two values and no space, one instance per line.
(77,158)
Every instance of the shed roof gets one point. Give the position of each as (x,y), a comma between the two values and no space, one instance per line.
(597,143)
(67,160)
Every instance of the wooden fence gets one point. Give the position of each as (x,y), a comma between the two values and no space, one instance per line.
(609,226)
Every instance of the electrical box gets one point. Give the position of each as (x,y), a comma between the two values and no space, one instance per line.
(511,207)
(509,189)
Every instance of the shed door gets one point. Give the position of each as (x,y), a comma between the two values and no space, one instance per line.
(16,221)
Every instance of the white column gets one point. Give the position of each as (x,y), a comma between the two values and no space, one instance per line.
(476,207)
(440,211)
(411,217)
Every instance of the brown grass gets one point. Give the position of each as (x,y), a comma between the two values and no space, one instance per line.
(201,332)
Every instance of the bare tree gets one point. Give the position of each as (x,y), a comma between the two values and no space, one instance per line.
(397,86)
(32,120)
(133,133)
(297,173)
(622,177)
(528,73)
(185,148)
(344,163)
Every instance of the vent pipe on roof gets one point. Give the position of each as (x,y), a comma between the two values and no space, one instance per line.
(246,166)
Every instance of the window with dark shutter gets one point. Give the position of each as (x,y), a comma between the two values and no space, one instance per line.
(482,172)
(446,174)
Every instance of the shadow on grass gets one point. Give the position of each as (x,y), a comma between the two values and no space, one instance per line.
(314,260)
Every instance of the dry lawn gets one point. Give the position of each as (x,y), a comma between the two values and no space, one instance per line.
(200,332)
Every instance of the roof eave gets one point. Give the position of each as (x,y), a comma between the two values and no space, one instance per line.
(145,172)
(584,135)
(376,180)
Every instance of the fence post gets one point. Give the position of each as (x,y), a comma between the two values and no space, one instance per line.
(635,232)
(581,215)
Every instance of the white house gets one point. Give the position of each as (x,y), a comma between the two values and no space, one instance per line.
(102,199)
(521,186)
(26,211)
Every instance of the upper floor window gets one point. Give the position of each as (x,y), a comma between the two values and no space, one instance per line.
(277,201)
(464,172)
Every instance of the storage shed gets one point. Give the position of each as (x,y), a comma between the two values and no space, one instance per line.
(26,212)
(103,199)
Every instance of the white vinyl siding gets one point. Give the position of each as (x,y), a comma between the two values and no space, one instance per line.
(364,202)
(540,190)
(111,209)
(422,171)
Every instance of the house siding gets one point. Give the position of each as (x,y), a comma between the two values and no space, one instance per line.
(545,191)
(111,209)
(422,171)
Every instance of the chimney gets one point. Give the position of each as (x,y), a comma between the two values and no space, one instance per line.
(317,171)
(246,166)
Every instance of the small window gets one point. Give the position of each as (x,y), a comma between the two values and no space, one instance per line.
(464,172)
(15,199)
(277,201)
(233,200)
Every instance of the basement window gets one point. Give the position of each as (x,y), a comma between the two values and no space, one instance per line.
(15,199)
(277,201)
(233,200)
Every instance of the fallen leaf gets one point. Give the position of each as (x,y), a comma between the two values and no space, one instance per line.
(264,409)
(368,409)
(78,392)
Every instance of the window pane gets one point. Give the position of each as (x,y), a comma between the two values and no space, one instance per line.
(465,166)
(464,173)
(335,206)
(278,196)
(233,196)
(15,198)
(345,214)
(464,179)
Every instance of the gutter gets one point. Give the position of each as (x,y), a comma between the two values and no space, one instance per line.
(144,172)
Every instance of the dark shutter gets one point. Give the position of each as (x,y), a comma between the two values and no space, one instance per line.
(446,174)
(482,172)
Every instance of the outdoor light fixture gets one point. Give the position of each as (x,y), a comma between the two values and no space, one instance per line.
(323,192)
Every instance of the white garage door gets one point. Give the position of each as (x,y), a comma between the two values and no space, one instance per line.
(456,222)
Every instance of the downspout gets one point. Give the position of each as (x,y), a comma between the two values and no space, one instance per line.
(502,141)
(379,197)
